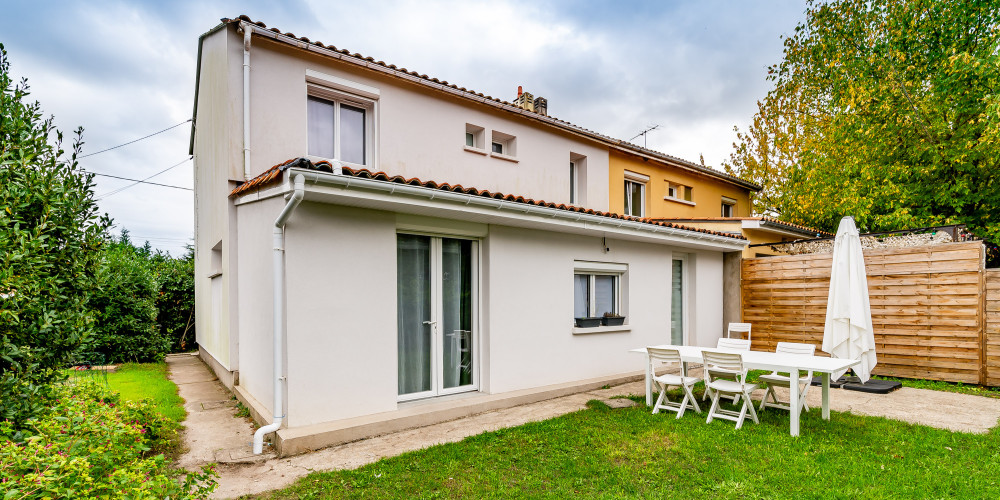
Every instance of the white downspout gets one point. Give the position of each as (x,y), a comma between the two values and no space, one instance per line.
(299,184)
(246,100)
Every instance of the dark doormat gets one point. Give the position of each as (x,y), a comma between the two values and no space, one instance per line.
(874,386)
(818,381)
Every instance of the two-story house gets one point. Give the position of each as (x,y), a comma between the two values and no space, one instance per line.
(377,249)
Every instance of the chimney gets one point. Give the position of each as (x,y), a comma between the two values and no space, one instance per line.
(542,106)
(524,100)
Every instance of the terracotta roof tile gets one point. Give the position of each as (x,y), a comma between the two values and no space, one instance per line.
(758,218)
(273,176)
(624,144)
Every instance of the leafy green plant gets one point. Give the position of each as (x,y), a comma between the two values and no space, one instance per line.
(50,233)
(125,305)
(175,300)
(90,443)
(887,111)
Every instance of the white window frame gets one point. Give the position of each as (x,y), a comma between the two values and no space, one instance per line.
(594,269)
(338,97)
(478,138)
(507,143)
(642,181)
(574,182)
(685,295)
(675,190)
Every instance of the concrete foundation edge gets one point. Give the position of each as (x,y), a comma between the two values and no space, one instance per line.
(303,439)
(228,378)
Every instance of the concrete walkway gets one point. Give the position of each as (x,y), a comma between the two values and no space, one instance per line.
(214,434)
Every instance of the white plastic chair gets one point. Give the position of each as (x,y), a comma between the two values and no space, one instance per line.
(725,375)
(666,380)
(733,344)
(776,379)
(740,328)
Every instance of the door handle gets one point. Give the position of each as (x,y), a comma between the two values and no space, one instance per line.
(430,322)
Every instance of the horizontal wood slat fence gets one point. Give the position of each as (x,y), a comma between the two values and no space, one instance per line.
(935,310)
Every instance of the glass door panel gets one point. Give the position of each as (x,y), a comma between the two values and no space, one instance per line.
(414,322)
(456,312)
(677,302)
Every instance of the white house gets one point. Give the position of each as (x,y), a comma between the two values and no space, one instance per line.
(372,251)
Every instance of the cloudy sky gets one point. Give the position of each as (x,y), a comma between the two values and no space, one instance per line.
(123,70)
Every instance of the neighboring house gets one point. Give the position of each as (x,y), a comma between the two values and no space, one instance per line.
(373,251)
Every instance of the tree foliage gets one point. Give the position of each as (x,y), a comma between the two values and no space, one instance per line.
(50,232)
(887,111)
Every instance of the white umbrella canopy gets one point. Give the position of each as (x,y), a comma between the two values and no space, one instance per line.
(848,332)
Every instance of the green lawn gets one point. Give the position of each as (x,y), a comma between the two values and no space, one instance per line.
(602,452)
(135,381)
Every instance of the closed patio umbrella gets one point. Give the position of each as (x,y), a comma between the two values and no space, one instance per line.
(848,332)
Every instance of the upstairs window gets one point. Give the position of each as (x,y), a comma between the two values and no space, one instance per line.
(503,146)
(474,138)
(635,194)
(728,207)
(573,180)
(339,130)
(680,192)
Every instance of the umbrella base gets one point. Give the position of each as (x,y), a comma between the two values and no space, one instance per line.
(874,386)
(836,384)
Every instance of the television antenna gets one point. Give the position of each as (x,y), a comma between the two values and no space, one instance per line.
(644,133)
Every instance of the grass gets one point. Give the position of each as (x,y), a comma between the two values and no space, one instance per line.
(936,385)
(602,452)
(136,381)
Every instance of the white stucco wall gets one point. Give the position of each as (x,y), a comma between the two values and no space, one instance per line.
(341,308)
(217,144)
(420,133)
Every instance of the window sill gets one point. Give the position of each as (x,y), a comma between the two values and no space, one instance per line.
(504,157)
(678,200)
(214,274)
(602,329)
(478,151)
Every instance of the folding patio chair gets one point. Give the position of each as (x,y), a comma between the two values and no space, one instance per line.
(665,380)
(736,345)
(741,328)
(776,379)
(725,375)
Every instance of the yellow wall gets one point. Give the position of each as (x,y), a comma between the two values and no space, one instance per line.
(706,195)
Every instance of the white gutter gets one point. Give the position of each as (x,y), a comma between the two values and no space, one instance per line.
(298,193)
(350,182)
(246,99)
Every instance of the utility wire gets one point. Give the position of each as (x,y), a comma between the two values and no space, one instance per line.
(116,191)
(143,182)
(137,140)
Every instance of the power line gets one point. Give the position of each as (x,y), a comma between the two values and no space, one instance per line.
(116,191)
(137,140)
(142,181)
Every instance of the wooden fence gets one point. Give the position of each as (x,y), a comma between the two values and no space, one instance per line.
(935,310)
(993,327)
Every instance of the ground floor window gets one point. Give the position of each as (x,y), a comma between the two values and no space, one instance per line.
(597,289)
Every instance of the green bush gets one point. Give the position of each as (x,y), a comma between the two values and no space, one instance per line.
(50,233)
(175,301)
(125,305)
(89,443)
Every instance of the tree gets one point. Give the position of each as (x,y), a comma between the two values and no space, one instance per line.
(887,111)
(50,231)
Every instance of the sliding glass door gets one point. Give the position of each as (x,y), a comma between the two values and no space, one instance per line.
(436,308)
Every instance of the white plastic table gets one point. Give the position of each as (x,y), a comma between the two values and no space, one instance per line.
(757,360)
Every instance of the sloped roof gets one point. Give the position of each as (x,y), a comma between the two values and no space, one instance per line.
(765,219)
(368,62)
(273,176)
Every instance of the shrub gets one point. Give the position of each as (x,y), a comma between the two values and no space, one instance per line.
(125,305)
(175,301)
(91,444)
(50,232)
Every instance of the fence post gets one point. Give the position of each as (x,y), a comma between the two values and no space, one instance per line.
(983,370)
